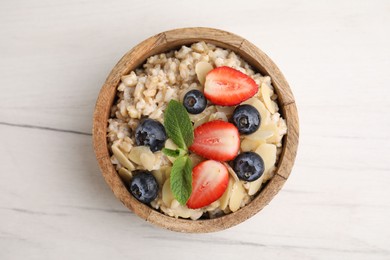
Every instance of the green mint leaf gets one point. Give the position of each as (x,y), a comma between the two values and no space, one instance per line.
(170,152)
(181,179)
(178,125)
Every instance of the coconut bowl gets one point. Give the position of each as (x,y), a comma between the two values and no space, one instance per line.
(167,41)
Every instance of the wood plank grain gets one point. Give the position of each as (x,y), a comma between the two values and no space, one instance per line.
(55,56)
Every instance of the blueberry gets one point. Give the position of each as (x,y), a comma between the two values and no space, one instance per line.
(144,186)
(246,118)
(150,133)
(194,101)
(248,166)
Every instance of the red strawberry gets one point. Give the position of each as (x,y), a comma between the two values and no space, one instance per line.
(209,181)
(217,140)
(226,86)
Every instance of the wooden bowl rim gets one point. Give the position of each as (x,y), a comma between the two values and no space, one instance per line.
(169,40)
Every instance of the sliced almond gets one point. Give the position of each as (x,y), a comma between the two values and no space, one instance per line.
(275,137)
(207,112)
(224,200)
(125,146)
(167,171)
(180,210)
(167,195)
(169,144)
(175,204)
(122,159)
(238,193)
(201,121)
(213,206)
(255,186)
(264,113)
(260,134)
(196,214)
(135,153)
(160,176)
(268,154)
(218,116)
(148,160)
(227,211)
(249,145)
(266,94)
(231,171)
(201,70)
(184,212)
(269,174)
(195,159)
(167,210)
(125,174)
(227,110)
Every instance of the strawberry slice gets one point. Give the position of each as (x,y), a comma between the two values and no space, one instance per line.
(226,86)
(217,140)
(209,181)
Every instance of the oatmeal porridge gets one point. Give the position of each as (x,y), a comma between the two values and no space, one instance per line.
(215,163)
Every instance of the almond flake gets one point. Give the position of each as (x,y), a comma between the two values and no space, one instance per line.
(201,69)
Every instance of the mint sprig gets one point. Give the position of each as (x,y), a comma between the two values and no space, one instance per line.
(181,179)
(170,152)
(178,126)
(174,153)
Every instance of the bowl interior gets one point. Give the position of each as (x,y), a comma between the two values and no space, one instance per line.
(167,41)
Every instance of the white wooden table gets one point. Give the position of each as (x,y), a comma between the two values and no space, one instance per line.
(54,57)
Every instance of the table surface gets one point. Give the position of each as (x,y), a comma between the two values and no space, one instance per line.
(55,56)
